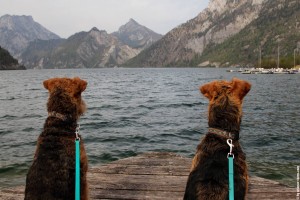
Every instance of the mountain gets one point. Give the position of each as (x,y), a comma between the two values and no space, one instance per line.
(184,45)
(92,49)
(17,31)
(276,28)
(39,53)
(136,36)
(230,33)
(7,62)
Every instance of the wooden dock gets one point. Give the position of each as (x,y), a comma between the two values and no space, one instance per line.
(155,176)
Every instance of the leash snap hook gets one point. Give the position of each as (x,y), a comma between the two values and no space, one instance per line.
(230,144)
(77,132)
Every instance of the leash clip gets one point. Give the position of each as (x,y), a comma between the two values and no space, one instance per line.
(230,144)
(77,132)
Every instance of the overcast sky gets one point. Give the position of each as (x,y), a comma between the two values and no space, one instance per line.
(66,17)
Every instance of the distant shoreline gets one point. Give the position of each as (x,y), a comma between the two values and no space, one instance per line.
(13,67)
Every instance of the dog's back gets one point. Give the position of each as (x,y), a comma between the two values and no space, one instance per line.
(52,174)
(208,179)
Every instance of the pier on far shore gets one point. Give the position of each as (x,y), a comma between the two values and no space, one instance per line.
(154,176)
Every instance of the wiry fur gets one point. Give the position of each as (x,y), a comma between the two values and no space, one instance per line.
(208,179)
(52,174)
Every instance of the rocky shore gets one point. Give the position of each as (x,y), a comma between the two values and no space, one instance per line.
(7,62)
(12,67)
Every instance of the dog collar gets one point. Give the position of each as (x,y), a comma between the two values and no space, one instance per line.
(223,133)
(57,115)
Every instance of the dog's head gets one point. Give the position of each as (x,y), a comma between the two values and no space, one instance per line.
(225,100)
(65,94)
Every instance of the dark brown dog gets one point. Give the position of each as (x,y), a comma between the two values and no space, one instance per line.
(208,179)
(52,174)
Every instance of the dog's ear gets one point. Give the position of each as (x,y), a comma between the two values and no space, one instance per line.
(240,87)
(207,90)
(49,84)
(80,83)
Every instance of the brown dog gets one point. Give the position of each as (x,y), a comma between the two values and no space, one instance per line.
(208,178)
(52,174)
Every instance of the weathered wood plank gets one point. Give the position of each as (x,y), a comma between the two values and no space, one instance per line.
(148,183)
(157,176)
(272,196)
(16,193)
(141,170)
(136,195)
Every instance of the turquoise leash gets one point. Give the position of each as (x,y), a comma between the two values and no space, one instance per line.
(231,181)
(77,165)
(230,157)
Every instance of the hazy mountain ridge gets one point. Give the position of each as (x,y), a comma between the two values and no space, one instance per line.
(135,35)
(221,20)
(226,33)
(17,31)
(92,49)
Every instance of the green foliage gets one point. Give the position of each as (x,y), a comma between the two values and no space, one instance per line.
(285,62)
(6,58)
(268,63)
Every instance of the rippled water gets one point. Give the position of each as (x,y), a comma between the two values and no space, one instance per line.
(131,111)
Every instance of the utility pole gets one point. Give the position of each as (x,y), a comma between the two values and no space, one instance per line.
(259,56)
(278,55)
(295,56)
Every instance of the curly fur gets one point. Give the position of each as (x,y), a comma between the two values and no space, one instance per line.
(52,174)
(208,179)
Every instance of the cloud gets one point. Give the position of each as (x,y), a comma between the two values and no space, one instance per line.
(66,17)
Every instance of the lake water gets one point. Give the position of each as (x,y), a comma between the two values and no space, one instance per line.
(131,111)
